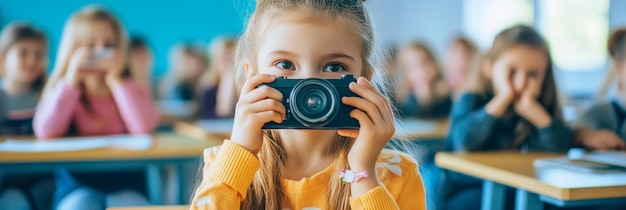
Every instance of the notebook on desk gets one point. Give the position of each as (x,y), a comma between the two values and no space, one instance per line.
(587,161)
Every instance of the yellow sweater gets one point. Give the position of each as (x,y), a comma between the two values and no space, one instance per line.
(229,171)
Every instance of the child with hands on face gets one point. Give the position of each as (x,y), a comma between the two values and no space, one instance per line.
(91,92)
(300,168)
(511,103)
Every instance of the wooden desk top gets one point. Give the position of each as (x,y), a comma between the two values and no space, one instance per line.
(221,128)
(516,169)
(151,208)
(166,145)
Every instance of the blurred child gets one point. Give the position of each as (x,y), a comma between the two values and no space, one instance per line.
(23,62)
(91,92)
(218,90)
(187,64)
(425,92)
(512,103)
(462,53)
(142,62)
(602,125)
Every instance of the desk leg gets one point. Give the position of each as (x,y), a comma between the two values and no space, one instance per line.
(493,196)
(154,180)
(525,200)
(179,172)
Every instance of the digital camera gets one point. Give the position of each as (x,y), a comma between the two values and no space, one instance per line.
(315,103)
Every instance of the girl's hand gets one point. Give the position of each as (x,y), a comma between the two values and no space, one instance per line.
(256,106)
(505,94)
(503,86)
(530,109)
(376,121)
(79,63)
(599,139)
(114,67)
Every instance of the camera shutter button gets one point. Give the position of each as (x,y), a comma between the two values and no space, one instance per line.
(347,76)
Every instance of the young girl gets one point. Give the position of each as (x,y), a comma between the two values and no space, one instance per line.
(90,93)
(23,62)
(301,169)
(602,125)
(511,104)
(187,64)
(426,93)
(218,91)
(462,52)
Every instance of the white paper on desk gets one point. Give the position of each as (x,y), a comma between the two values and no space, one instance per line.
(132,142)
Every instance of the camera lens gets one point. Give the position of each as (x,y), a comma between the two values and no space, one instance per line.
(315,102)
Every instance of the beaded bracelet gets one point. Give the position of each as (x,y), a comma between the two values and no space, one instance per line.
(349,176)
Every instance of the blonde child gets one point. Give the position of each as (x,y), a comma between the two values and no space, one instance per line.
(602,125)
(187,64)
(91,92)
(23,62)
(460,57)
(511,103)
(300,169)
(217,88)
(425,93)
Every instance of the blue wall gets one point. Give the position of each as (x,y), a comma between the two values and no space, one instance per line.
(163,23)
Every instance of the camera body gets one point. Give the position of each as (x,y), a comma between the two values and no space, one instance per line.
(315,103)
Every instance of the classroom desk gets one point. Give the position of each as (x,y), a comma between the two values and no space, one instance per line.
(167,149)
(414,129)
(515,169)
(151,208)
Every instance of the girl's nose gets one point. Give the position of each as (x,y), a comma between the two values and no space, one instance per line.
(520,82)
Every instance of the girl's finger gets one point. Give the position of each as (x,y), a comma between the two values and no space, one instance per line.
(364,120)
(387,114)
(262,92)
(268,104)
(370,97)
(268,116)
(365,106)
(254,81)
(348,133)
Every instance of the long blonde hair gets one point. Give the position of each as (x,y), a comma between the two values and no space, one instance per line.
(616,46)
(266,191)
(16,32)
(72,37)
(505,40)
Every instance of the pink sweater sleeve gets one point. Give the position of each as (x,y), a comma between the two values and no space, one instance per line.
(54,113)
(138,111)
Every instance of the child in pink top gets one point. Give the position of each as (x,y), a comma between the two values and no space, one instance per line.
(91,92)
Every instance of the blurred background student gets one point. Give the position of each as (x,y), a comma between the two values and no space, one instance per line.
(461,54)
(423,91)
(141,63)
(92,92)
(217,88)
(602,125)
(187,63)
(23,62)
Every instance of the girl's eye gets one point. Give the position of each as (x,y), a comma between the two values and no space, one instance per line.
(285,65)
(334,67)
(533,74)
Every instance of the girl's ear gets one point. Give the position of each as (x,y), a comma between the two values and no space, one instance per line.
(486,68)
(248,70)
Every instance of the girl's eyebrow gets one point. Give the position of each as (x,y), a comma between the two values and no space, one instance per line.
(283,53)
(339,55)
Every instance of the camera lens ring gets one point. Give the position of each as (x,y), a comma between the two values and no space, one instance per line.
(328,88)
